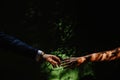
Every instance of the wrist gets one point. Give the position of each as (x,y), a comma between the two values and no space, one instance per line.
(39,55)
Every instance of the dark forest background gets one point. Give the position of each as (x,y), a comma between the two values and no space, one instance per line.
(93,24)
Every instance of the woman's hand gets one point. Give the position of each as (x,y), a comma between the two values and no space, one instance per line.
(73,62)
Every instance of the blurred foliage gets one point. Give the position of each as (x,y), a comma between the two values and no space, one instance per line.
(61,73)
(61,27)
(65,31)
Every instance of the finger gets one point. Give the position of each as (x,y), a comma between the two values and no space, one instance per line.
(51,61)
(56,59)
(64,61)
(67,63)
(68,66)
(54,64)
(70,59)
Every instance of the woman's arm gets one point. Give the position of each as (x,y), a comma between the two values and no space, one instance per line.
(104,56)
(94,57)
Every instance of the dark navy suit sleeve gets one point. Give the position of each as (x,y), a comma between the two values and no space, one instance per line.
(12,43)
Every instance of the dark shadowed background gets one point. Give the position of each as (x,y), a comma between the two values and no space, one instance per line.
(95,27)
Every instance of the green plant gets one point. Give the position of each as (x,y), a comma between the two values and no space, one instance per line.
(60,73)
(65,33)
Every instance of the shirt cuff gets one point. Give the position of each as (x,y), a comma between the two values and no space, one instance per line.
(40,52)
(39,55)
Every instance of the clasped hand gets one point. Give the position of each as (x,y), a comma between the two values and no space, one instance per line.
(72,62)
(66,63)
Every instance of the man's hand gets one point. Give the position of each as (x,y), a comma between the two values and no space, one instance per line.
(54,60)
(73,62)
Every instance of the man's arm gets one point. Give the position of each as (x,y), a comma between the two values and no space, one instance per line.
(14,44)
